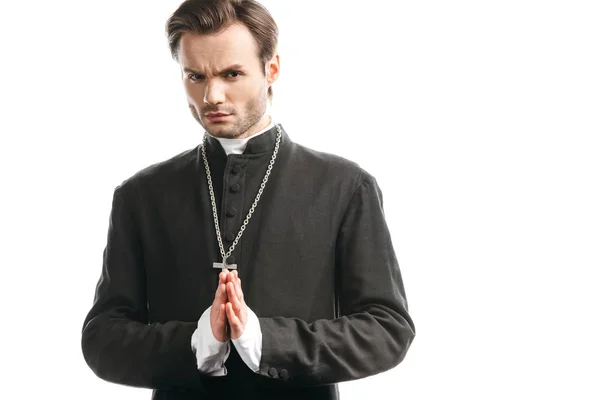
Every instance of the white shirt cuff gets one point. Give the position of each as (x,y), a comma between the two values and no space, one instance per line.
(249,345)
(210,353)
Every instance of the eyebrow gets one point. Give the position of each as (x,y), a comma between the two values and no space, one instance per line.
(234,67)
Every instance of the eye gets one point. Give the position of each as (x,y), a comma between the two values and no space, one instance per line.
(195,77)
(234,74)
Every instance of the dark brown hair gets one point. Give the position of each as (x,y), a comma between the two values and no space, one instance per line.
(211,16)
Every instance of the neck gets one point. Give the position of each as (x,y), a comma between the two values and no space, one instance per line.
(260,126)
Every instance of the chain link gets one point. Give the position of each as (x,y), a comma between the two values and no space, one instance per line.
(214,204)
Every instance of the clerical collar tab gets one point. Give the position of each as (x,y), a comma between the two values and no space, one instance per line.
(259,144)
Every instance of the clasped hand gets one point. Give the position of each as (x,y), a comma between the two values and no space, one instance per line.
(229,313)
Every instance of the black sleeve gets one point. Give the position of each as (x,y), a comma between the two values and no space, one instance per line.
(118,343)
(374,330)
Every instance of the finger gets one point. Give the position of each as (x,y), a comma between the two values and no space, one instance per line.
(223,276)
(221,295)
(232,297)
(231,276)
(234,321)
(218,291)
(239,291)
(218,310)
(222,316)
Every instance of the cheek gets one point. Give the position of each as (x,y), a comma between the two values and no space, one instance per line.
(245,91)
(194,92)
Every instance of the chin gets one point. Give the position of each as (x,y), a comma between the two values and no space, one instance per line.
(223,131)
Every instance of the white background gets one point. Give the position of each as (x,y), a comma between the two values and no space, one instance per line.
(480,120)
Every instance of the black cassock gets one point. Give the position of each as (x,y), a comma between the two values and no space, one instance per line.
(316,262)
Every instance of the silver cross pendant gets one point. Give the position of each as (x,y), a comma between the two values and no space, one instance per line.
(224,265)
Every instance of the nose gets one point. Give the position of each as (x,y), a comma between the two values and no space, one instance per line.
(214,93)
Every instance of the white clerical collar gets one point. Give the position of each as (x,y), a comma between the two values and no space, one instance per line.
(237,146)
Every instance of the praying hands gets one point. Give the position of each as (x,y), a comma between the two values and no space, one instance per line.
(229,313)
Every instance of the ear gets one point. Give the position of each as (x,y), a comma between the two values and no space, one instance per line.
(272,69)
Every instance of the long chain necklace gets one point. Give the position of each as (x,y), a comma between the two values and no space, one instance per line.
(225,255)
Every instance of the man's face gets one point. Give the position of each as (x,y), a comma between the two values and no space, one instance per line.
(223,76)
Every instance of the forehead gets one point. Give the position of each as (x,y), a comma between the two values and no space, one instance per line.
(234,45)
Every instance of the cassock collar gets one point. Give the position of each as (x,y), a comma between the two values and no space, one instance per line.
(262,143)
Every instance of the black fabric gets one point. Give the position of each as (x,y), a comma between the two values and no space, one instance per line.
(316,261)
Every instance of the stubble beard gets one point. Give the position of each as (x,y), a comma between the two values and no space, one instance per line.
(253,112)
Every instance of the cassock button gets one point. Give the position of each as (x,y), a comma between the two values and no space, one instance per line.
(273,372)
(284,374)
(229,237)
(236,169)
(235,188)
(231,260)
(231,212)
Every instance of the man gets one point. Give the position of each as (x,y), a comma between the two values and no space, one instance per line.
(249,267)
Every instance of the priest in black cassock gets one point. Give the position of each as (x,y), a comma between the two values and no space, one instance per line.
(249,267)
